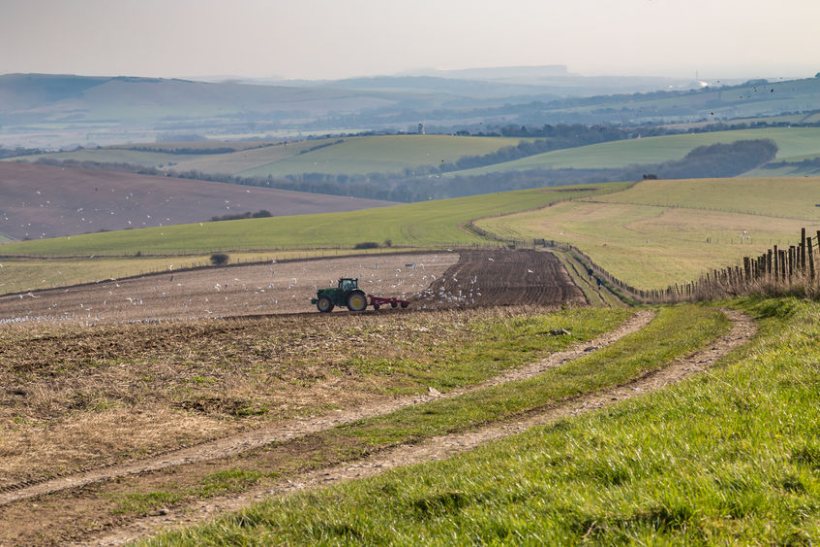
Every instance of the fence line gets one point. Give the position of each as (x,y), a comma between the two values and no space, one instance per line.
(777,271)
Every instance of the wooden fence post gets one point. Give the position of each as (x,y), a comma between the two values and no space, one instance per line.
(810,249)
(803,250)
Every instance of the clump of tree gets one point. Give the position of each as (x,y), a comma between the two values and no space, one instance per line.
(18,151)
(719,160)
(263,213)
(220,259)
(366,245)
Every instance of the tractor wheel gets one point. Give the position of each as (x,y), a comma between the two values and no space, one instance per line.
(376,307)
(325,304)
(394,304)
(405,304)
(356,301)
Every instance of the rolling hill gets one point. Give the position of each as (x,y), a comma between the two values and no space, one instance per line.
(791,142)
(344,155)
(434,223)
(45,201)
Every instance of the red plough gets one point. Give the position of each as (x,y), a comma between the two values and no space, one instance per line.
(393,302)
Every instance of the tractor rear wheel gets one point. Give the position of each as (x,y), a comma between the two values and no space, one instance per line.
(356,301)
(324,304)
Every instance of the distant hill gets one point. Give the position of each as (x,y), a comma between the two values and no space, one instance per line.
(43,110)
(43,201)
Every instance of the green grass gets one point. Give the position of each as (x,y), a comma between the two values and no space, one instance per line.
(652,246)
(418,224)
(797,141)
(773,197)
(675,332)
(382,154)
(348,155)
(728,457)
(111,155)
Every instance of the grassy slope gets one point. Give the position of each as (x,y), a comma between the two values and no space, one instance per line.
(356,155)
(417,224)
(651,246)
(791,142)
(775,197)
(111,155)
(383,154)
(423,505)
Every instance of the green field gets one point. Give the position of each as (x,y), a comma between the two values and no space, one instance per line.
(384,154)
(343,155)
(433,223)
(797,141)
(727,457)
(111,155)
(662,232)
(775,197)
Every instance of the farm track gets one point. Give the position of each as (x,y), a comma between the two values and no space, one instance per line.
(439,448)
(237,444)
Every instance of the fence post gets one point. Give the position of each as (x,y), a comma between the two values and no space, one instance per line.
(810,249)
(803,250)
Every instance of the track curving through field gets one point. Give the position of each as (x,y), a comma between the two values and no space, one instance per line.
(237,444)
(439,448)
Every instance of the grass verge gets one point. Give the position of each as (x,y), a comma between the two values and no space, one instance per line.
(728,457)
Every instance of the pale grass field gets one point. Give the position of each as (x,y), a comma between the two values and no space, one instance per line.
(650,246)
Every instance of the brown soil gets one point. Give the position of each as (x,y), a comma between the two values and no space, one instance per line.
(502,277)
(73,507)
(438,448)
(74,397)
(217,292)
(48,201)
(281,432)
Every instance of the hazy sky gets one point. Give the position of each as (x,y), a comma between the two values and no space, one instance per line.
(336,38)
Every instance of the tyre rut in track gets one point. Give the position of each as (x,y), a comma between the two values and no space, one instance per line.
(439,448)
(237,444)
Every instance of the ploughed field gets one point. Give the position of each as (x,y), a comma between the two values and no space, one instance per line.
(434,280)
(493,278)
(271,288)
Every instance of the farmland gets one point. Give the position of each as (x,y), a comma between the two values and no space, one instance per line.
(347,155)
(791,142)
(39,201)
(27,274)
(727,457)
(139,404)
(662,232)
(437,223)
(216,292)
(502,346)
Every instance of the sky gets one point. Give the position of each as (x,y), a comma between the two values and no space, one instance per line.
(326,39)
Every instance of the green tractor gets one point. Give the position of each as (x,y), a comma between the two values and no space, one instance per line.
(347,294)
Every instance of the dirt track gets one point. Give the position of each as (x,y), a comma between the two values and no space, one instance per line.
(441,447)
(243,442)
(503,278)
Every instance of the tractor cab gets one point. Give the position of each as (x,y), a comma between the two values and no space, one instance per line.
(348,284)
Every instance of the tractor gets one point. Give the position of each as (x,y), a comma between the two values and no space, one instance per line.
(348,294)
